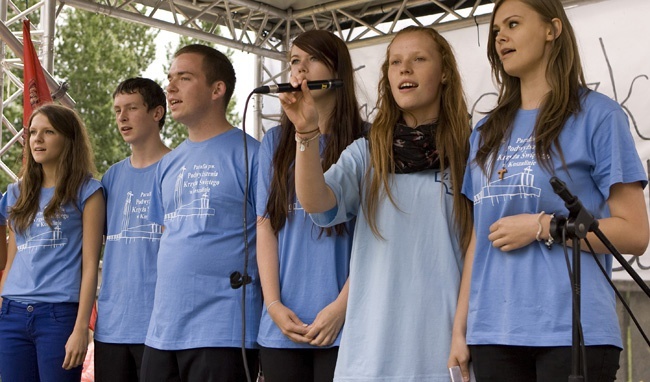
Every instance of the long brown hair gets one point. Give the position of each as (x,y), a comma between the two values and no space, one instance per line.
(452,138)
(345,125)
(74,168)
(565,77)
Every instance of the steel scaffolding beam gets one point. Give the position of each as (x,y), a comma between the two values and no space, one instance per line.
(264,28)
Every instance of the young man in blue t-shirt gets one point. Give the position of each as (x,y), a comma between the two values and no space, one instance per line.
(195,332)
(129,272)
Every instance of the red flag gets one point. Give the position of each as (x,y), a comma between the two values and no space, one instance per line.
(35,91)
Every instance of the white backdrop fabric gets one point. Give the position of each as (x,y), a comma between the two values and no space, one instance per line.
(615,53)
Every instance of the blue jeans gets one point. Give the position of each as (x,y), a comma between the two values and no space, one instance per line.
(32,341)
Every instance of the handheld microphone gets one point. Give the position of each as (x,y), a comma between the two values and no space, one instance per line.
(285,88)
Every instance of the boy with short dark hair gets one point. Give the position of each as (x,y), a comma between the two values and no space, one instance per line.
(130,254)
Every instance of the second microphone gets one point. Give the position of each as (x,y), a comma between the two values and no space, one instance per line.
(313,85)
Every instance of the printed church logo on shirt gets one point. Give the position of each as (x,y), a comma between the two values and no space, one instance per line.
(46,237)
(192,194)
(517,181)
(136,210)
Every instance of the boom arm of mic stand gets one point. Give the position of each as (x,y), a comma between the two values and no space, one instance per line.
(601,236)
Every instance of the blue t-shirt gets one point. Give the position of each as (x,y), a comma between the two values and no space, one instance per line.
(404,286)
(47,266)
(129,273)
(523,297)
(312,270)
(198,196)
(3,213)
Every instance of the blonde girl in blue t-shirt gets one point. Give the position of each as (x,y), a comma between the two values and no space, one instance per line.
(402,184)
(55,219)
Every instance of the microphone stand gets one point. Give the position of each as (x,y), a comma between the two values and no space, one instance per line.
(577,225)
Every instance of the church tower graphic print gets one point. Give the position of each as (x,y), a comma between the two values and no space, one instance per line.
(198,206)
(143,230)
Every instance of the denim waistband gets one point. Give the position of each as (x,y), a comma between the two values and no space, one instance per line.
(11,306)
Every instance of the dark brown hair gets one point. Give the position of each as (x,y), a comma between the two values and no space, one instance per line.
(345,124)
(152,94)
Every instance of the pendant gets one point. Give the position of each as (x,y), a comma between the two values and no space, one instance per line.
(302,146)
(502,172)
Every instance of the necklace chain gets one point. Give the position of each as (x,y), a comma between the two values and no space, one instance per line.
(506,158)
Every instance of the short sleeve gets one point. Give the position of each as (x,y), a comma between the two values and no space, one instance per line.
(89,188)
(616,159)
(3,211)
(345,178)
(265,158)
(155,213)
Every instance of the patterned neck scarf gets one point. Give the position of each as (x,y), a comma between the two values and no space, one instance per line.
(414,149)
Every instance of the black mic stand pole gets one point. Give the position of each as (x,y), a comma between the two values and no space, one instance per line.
(577,227)
(576,354)
(578,224)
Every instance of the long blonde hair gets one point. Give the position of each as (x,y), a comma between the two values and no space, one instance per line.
(452,138)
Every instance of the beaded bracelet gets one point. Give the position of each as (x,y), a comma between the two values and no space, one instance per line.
(305,142)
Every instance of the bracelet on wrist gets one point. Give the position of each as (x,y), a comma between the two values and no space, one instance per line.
(550,241)
(308,132)
(304,142)
(539,224)
(556,228)
(271,304)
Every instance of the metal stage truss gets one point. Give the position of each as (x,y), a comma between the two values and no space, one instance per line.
(263,28)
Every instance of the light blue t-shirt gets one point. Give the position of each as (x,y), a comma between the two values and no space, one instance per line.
(313,270)
(198,196)
(523,297)
(129,273)
(47,266)
(404,287)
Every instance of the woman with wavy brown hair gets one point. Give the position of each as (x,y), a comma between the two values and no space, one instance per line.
(304,268)
(56,218)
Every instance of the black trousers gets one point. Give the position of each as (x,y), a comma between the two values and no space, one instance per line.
(198,365)
(298,365)
(495,363)
(117,362)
